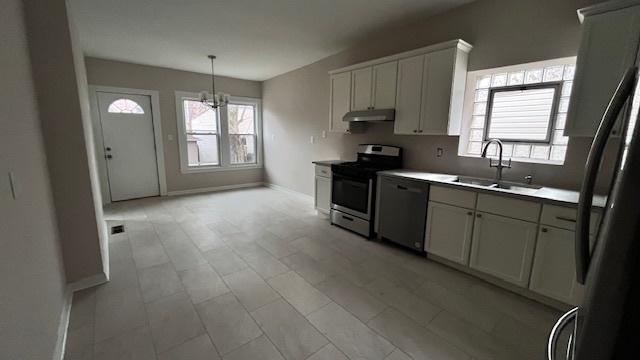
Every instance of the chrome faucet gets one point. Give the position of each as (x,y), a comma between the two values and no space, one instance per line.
(499,165)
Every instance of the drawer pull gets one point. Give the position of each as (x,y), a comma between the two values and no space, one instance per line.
(347,218)
(544,230)
(566,219)
(479,215)
(469,213)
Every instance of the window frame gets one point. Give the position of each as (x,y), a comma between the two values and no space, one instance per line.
(243,101)
(556,85)
(224,150)
(469,118)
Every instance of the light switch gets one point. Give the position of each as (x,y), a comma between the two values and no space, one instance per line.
(170,137)
(439,152)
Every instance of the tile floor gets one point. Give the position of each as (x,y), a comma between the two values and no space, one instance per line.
(256,274)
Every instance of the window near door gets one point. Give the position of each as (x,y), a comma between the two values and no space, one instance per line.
(125,106)
(242,134)
(223,139)
(201,132)
(524,105)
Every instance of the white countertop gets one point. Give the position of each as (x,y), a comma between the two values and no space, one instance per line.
(544,194)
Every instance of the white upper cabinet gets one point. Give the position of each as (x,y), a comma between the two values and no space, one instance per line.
(361,89)
(409,95)
(609,45)
(340,103)
(384,85)
(374,87)
(436,107)
(425,86)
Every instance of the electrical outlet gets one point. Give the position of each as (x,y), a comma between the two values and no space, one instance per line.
(439,152)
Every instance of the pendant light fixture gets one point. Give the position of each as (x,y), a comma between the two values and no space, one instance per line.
(219,99)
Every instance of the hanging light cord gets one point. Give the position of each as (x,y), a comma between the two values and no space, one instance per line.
(213,78)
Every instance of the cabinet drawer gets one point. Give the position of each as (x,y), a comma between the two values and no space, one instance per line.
(565,218)
(323,170)
(513,208)
(446,195)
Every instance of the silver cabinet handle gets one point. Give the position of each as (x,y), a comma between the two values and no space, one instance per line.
(563,218)
(544,230)
(619,99)
(469,213)
(564,320)
(479,215)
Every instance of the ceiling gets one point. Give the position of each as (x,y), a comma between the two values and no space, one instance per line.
(253,39)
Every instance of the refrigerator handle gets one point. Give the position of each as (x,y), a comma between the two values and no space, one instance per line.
(564,320)
(622,93)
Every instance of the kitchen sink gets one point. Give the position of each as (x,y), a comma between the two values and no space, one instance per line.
(475,181)
(517,187)
(504,185)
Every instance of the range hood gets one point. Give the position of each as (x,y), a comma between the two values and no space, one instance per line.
(370,115)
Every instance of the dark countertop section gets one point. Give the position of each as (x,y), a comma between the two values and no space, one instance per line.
(544,194)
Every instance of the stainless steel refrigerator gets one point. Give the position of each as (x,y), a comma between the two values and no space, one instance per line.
(607,325)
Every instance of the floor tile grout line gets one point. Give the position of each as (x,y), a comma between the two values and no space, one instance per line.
(192,304)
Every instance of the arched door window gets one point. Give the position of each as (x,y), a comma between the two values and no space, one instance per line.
(125,106)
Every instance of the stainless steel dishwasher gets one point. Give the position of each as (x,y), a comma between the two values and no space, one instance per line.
(402,211)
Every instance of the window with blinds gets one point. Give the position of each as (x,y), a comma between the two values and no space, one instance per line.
(522,113)
(523,105)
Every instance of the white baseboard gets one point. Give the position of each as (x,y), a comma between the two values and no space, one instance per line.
(63,326)
(289,191)
(214,188)
(88,282)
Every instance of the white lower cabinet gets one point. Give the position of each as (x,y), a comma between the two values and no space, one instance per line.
(554,271)
(503,247)
(449,231)
(322,189)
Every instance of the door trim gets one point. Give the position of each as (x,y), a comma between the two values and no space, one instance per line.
(99,140)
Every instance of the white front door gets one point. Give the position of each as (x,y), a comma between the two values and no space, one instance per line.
(129,144)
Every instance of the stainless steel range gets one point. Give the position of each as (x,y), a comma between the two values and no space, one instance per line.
(354,183)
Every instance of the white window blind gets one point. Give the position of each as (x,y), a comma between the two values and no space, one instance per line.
(521,114)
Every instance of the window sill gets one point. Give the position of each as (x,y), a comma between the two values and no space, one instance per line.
(206,169)
(522,160)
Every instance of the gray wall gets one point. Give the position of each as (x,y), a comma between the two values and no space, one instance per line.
(31,271)
(60,84)
(167,81)
(503,32)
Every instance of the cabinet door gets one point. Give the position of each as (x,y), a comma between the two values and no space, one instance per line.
(608,47)
(503,247)
(436,92)
(554,268)
(409,95)
(361,87)
(448,233)
(385,77)
(323,194)
(340,100)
